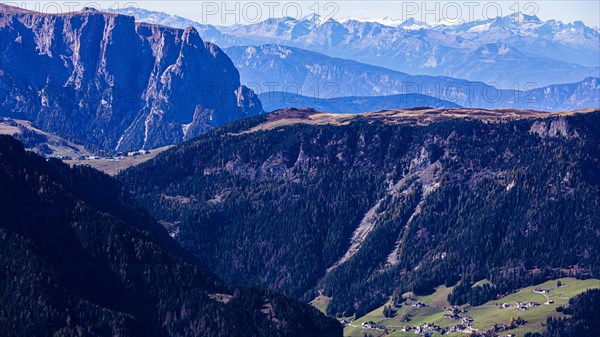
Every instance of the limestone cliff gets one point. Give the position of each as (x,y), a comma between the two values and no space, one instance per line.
(115,84)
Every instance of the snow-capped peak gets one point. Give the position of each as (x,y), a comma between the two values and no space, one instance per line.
(314,18)
(449,22)
(517,18)
(412,24)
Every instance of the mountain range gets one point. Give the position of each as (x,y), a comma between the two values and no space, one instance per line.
(298,71)
(279,67)
(509,51)
(113,84)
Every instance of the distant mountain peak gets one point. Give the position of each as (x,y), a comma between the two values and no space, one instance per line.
(313,18)
(520,17)
(385,21)
(517,18)
(561,52)
(413,24)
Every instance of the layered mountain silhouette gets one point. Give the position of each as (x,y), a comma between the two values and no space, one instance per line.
(503,62)
(516,48)
(352,104)
(298,71)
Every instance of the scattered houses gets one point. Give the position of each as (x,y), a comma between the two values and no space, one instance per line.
(524,306)
(137,153)
(368,325)
(118,156)
(452,316)
(521,306)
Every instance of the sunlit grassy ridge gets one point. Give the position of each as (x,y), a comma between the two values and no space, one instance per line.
(484,315)
(417,116)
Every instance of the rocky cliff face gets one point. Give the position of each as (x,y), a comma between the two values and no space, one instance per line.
(112,83)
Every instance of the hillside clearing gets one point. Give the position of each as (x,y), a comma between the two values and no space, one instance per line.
(483,316)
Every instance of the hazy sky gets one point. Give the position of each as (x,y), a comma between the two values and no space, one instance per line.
(230,12)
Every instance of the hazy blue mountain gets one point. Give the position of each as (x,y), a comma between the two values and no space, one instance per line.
(114,84)
(354,104)
(506,50)
(307,73)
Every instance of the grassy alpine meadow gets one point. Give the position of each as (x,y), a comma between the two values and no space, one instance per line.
(484,316)
(321,303)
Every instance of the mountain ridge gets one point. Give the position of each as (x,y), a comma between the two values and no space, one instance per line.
(352,104)
(313,74)
(361,207)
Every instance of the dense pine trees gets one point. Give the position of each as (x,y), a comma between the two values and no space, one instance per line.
(80,257)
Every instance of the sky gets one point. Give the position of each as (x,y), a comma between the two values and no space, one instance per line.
(227,12)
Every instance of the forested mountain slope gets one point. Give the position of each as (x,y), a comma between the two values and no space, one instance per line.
(362,207)
(79,257)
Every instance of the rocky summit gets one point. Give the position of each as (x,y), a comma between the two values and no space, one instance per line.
(114,84)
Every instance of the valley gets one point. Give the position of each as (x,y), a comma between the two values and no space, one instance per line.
(89,258)
(52,146)
(41,142)
(114,165)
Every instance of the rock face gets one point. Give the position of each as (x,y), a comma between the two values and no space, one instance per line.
(114,84)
